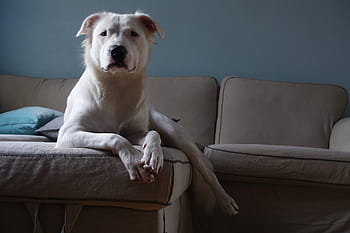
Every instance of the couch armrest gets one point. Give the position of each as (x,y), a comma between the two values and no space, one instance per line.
(340,136)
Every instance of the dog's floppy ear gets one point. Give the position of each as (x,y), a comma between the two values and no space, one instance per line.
(88,23)
(150,24)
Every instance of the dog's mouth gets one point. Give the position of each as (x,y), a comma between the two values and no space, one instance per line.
(118,66)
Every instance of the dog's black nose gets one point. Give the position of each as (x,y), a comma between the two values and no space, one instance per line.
(118,53)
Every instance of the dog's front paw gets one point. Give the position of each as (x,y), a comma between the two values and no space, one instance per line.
(138,173)
(131,160)
(152,157)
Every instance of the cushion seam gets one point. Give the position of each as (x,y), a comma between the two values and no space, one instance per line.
(58,157)
(276,178)
(274,156)
(88,199)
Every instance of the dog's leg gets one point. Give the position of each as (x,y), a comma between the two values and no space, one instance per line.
(173,135)
(152,158)
(152,152)
(130,157)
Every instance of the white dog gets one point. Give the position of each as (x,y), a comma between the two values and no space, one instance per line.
(108,108)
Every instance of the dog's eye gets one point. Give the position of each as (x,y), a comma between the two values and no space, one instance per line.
(134,34)
(104,33)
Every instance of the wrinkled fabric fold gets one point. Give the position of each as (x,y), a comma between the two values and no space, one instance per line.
(71,215)
(33,209)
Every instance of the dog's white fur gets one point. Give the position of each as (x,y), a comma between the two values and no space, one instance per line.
(108,108)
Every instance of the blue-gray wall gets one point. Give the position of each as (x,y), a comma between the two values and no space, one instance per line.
(293,40)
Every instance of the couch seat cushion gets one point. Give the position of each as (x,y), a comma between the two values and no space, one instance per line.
(280,164)
(37,170)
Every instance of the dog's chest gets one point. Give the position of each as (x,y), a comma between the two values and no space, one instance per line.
(118,115)
(112,106)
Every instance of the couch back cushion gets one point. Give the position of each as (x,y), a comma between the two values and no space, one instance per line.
(19,91)
(278,113)
(191,99)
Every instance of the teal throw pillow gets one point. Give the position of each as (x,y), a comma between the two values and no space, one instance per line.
(26,120)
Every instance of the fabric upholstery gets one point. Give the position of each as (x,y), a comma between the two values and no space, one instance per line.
(91,219)
(340,137)
(18,91)
(278,113)
(193,100)
(278,208)
(280,164)
(86,175)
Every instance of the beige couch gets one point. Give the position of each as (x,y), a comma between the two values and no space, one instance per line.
(278,148)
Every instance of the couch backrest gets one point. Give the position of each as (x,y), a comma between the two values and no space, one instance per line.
(19,91)
(281,113)
(191,99)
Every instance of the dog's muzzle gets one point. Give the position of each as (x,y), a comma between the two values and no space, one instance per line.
(118,53)
(118,61)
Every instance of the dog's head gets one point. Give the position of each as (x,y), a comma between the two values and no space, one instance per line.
(118,42)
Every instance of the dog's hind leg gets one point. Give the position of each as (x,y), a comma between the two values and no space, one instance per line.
(173,135)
